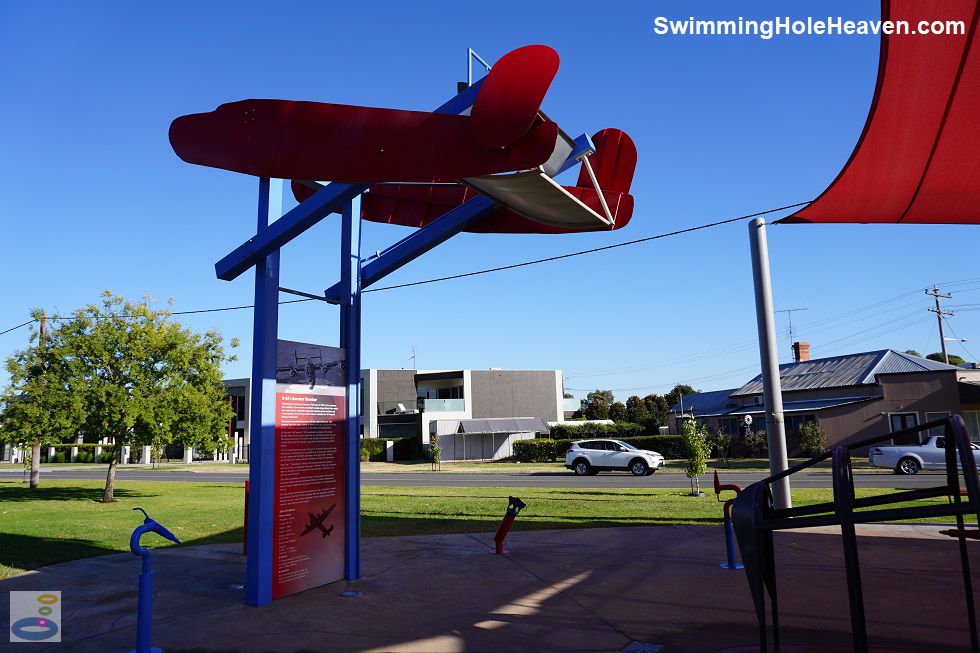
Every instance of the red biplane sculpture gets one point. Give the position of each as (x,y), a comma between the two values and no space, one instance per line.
(421,164)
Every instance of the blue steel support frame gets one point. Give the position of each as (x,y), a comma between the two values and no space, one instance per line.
(350,341)
(258,571)
(262,252)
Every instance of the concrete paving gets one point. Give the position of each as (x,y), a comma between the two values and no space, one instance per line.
(568,590)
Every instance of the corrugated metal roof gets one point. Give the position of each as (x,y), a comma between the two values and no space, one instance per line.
(701,403)
(842,371)
(502,425)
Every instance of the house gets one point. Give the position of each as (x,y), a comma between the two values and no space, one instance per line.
(850,397)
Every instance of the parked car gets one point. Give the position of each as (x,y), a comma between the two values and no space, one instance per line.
(586,457)
(910,458)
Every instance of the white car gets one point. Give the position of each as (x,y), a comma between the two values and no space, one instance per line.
(586,457)
(910,458)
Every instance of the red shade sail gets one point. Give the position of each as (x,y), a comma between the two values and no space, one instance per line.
(918,158)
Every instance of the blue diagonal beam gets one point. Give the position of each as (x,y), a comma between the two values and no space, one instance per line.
(325,201)
(419,242)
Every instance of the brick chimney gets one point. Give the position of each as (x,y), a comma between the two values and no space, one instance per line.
(801,351)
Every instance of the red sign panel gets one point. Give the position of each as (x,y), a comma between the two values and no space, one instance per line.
(308,535)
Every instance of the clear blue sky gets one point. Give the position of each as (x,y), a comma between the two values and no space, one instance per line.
(94,197)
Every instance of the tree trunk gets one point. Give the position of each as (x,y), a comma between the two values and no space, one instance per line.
(110,477)
(35,464)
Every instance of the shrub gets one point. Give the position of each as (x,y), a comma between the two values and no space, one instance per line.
(373,449)
(756,444)
(812,439)
(85,457)
(540,450)
(105,457)
(697,448)
(721,443)
(58,457)
(407,448)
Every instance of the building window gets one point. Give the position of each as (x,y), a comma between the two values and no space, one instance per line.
(902,421)
(937,430)
(728,425)
(794,422)
(972,419)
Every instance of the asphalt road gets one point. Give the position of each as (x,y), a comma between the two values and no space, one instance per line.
(613,480)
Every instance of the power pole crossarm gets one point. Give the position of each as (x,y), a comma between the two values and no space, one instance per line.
(938,310)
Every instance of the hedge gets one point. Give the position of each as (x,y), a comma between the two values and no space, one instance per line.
(618,431)
(544,450)
(407,448)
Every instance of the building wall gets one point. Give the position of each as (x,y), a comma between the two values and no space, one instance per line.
(918,393)
(914,392)
(517,393)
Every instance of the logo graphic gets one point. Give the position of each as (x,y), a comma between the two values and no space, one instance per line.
(35,616)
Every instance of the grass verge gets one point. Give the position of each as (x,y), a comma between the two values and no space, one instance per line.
(63,520)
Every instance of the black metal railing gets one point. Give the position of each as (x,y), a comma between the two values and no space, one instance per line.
(755,518)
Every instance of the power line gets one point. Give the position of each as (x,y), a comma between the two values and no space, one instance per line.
(17,327)
(586,251)
(486,271)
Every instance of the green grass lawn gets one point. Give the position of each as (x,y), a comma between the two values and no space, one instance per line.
(63,520)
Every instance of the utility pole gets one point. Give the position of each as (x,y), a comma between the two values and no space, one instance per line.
(36,445)
(939,316)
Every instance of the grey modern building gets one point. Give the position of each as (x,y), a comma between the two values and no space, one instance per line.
(477,414)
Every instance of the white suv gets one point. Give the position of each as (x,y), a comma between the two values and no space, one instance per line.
(587,457)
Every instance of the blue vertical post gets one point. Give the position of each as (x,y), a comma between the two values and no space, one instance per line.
(262,462)
(350,341)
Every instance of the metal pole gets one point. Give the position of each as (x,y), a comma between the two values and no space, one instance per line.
(350,341)
(262,474)
(771,386)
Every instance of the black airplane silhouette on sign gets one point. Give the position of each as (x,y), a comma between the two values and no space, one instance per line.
(316,521)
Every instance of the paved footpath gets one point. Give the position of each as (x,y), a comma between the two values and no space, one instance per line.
(569,590)
(871,479)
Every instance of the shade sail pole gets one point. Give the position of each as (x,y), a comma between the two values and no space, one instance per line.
(771,386)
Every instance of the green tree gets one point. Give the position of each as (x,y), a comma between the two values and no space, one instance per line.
(617,412)
(636,410)
(674,395)
(597,403)
(953,358)
(912,352)
(140,378)
(813,439)
(658,408)
(697,448)
(39,408)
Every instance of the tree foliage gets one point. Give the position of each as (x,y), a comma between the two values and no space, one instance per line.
(596,404)
(953,358)
(127,372)
(696,445)
(812,438)
(38,408)
(617,412)
(674,395)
